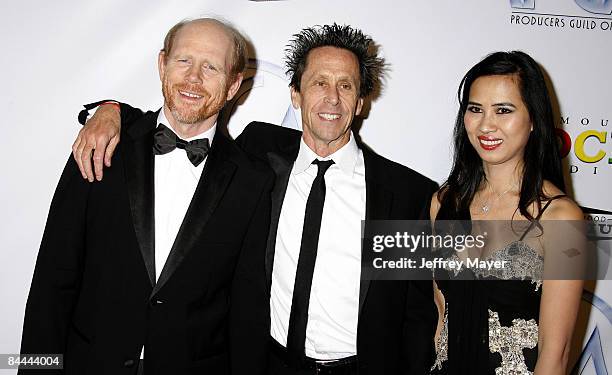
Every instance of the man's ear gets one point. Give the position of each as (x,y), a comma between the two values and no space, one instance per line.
(161,64)
(296,98)
(233,89)
(359,106)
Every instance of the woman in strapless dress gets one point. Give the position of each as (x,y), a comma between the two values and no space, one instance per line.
(506,167)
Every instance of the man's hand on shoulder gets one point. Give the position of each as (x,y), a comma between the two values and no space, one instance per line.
(99,137)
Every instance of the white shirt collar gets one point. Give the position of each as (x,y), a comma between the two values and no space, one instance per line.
(210,133)
(345,158)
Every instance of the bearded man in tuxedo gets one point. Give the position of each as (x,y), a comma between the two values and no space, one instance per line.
(159,268)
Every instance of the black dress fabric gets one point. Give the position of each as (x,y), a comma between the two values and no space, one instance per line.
(490,324)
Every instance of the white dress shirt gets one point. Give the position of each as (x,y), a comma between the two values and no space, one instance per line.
(331,332)
(175,180)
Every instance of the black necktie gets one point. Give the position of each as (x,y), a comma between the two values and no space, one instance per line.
(298,318)
(165,141)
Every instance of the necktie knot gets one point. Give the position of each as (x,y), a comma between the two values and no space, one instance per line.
(165,141)
(323,166)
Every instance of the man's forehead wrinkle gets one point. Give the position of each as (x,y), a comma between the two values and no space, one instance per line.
(331,76)
(191,44)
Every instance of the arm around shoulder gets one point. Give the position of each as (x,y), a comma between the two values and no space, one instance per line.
(99,137)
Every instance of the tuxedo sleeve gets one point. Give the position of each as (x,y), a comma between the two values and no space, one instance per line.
(247,140)
(249,305)
(57,274)
(129,114)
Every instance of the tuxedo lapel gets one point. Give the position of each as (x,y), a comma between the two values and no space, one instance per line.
(281,162)
(378,206)
(282,170)
(216,175)
(139,176)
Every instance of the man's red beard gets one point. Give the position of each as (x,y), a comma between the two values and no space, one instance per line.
(188,113)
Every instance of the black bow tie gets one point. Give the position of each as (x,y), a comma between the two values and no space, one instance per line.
(165,141)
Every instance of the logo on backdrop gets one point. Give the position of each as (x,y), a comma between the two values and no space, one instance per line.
(599,241)
(592,358)
(590,141)
(589,15)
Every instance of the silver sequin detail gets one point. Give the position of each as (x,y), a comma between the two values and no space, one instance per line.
(524,263)
(510,342)
(442,344)
(452,258)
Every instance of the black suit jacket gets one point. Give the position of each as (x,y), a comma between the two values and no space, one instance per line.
(397,319)
(94,297)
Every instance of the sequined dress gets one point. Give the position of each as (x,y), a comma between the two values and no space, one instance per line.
(490,327)
(492,317)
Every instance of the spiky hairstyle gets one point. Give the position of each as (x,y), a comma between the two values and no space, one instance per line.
(341,36)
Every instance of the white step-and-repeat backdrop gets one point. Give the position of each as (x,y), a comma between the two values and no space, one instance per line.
(58,55)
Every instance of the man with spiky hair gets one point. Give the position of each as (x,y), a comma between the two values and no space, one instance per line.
(325,316)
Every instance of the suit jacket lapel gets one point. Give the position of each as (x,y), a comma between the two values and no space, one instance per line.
(282,164)
(378,206)
(216,175)
(139,177)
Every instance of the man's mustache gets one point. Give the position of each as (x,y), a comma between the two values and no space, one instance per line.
(193,89)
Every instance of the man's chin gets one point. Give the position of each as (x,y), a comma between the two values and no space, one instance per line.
(190,120)
(189,116)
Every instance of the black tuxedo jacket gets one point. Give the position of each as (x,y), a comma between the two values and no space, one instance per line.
(94,297)
(397,319)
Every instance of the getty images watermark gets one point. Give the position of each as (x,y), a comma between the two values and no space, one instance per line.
(483,250)
(412,242)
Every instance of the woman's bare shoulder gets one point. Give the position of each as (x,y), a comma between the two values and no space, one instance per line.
(563,208)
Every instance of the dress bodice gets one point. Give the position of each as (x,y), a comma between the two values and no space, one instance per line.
(493,318)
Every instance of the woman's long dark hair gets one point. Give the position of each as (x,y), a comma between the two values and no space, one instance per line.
(542,160)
